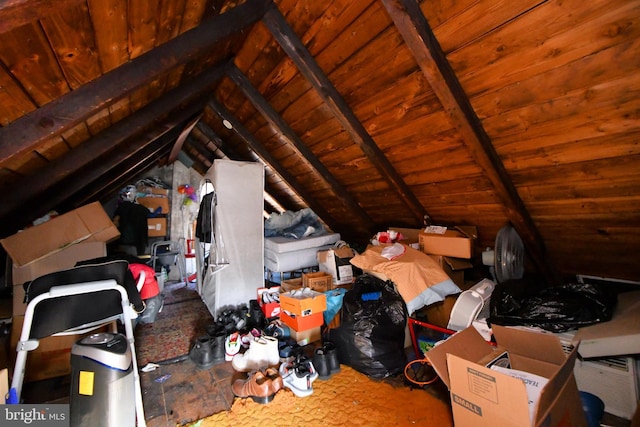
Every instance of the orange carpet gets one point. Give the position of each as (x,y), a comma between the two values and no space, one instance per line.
(347,398)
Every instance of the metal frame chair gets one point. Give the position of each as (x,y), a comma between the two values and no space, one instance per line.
(75,301)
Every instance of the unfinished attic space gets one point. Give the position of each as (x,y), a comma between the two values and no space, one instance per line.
(302,212)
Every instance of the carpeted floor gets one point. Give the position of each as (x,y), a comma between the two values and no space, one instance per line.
(181,394)
(347,398)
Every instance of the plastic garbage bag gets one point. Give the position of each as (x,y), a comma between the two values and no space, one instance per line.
(370,337)
(334,303)
(556,308)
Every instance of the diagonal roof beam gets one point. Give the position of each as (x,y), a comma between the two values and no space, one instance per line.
(110,137)
(14,13)
(268,159)
(277,122)
(307,65)
(417,34)
(61,114)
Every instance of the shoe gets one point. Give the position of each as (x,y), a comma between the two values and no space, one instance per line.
(257,386)
(299,375)
(276,379)
(287,349)
(277,329)
(331,353)
(231,346)
(321,363)
(246,339)
(202,352)
(262,353)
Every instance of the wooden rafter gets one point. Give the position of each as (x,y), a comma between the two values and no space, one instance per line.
(14,13)
(293,46)
(277,122)
(417,34)
(116,134)
(69,110)
(269,160)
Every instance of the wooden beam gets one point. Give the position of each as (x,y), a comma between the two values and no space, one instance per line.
(307,65)
(173,155)
(417,34)
(277,122)
(63,113)
(269,160)
(114,135)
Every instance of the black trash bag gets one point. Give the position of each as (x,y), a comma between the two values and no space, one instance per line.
(557,308)
(371,334)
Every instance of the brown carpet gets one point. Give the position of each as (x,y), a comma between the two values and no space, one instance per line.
(348,398)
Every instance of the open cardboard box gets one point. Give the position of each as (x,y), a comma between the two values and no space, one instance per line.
(619,336)
(481,396)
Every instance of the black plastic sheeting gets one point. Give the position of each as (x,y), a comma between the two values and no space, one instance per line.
(558,308)
(370,338)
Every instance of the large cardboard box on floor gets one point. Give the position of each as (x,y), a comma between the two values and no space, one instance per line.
(89,223)
(481,396)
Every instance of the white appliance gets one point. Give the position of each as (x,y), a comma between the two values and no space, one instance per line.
(471,304)
(615,380)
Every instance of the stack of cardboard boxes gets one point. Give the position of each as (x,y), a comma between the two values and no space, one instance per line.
(157,201)
(302,310)
(54,245)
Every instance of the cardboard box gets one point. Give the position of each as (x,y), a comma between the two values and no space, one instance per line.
(153,203)
(51,359)
(303,302)
(457,243)
(319,281)
(302,323)
(481,396)
(619,336)
(336,263)
(454,267)
(157,227)
(306,337)
(270,309)
(89,223)
(66,258)
(60,260)
(154,190)
(290,284)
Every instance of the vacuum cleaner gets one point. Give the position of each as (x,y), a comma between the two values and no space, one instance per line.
(102,382)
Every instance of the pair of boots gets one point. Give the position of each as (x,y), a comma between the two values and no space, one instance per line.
(208,350)
(325,360)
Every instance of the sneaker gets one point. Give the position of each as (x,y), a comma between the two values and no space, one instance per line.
(231,346)
(298,376)
(262,353)
(246,339)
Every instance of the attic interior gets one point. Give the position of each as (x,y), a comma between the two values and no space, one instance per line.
(375,115)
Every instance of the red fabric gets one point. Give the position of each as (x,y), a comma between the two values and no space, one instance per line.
(150,286)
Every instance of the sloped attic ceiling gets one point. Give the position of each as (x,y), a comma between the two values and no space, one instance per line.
(372,113)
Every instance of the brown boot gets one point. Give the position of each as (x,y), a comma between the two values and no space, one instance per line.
(276,379)
(257,386)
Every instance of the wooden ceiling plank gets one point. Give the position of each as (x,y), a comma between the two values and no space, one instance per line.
(266,157)
(67,111)
(105,141)
(109,18)
(414,28)
(14,13)
(296,50)
(275,120)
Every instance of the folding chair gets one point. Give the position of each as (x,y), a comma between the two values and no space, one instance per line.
(76,301)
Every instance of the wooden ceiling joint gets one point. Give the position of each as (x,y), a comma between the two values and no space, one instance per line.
(67,111)
(277,122)
(417,34)
(293,46)
(268,159)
